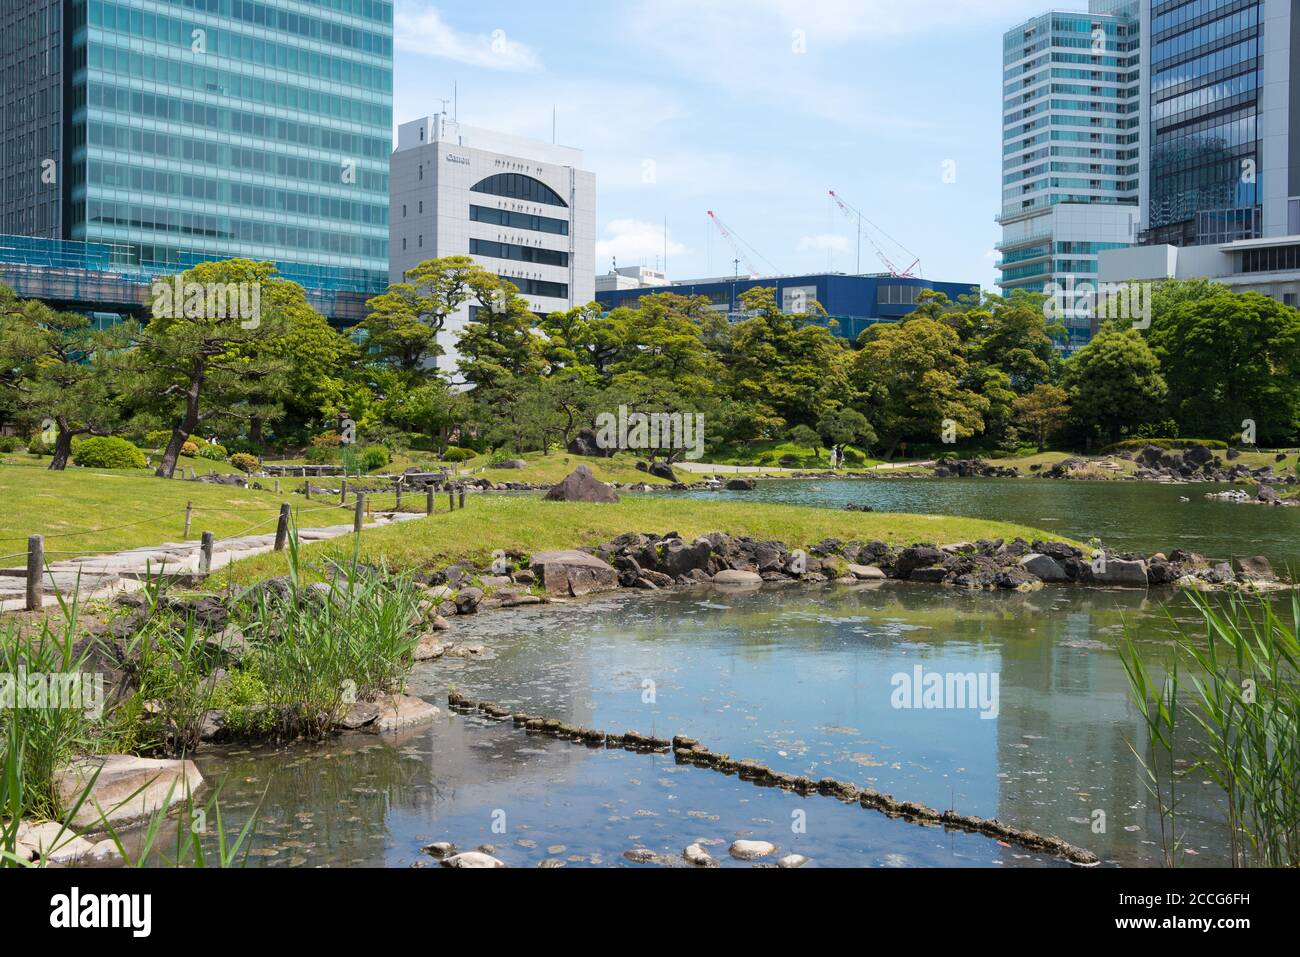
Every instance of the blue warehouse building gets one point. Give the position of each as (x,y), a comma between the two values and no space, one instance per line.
(854,302)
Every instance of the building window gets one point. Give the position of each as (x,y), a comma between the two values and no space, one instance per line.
(504,217)
(519,186)
(403,210)
(421,207)
(1293,217)
(1274,259)
(1289,299)
(403,244)
(897,295)
(421,243)
(539,287)
(527,254)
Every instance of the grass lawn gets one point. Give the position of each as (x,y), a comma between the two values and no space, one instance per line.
(529,524)
(67,507)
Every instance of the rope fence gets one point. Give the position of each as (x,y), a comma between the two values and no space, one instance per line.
(362,506)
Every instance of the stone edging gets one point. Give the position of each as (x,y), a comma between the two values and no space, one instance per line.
(689,751)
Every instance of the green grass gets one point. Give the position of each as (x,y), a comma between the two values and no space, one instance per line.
(769,454)
(528,524)
(74,510)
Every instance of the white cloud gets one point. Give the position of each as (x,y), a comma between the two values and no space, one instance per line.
(824,242)
(421,29)
(634,242)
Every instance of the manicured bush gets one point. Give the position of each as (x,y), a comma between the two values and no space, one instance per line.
(7,444)
(1165,444)
(106,452)
(319,455)
(244,462)
(454,454)
(38,446)
(374,457)
(213,453)
(327,440)
(158,439)
(190,449)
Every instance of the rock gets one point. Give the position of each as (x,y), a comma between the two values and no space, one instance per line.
(751,850)
(867,573)
(401,711)
(573,573)
(51,842)
(104,852)
(466,650)
(359,715)
(438,623)
(472,859)
(741,485)
(929,576)
(697,855)
(920,556)
(663,470)
(1045,567)
(581,486)
(467,600)
(792,860)
(586,443)
(732,577)
(126,787)
(1267,495)
(429,649)
(441,850)
(1257,568)
(512,464)
(1123,572)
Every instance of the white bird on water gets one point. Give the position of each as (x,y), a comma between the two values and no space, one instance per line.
(1183,498)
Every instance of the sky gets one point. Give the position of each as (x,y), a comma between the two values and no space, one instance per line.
(754,109)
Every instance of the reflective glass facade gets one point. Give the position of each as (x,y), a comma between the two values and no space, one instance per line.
(31,117)
(204,129)
(1205,129)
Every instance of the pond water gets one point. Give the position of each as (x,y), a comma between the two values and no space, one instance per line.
(798,677)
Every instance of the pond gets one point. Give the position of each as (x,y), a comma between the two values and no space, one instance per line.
(801,678)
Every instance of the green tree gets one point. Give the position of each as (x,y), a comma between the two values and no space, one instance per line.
(59,373)
(1114,382)
(806,437)
(1044,412)
(841,427)
(498,345)
(1228,357)
(910,379)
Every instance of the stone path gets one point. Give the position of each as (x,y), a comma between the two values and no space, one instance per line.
(96,576)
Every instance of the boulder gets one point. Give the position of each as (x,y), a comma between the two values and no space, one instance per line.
(751,850)
(467,600)
(400,711)
(1045,567)
(586,443)
(734,577)
(1257,568)
(741,485)
(472,859)
(866,573)
(573,573)
(697,855)
(581,486)
(663,470)
(1122,572)
(792,860)
(512,464)
(126,788)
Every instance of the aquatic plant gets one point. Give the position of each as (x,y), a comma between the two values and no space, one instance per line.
(1241,694)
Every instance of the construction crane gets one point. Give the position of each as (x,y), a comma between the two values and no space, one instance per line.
(738,246)
(851,213)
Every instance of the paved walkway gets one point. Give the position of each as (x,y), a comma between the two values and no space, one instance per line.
(702,468)
(97,576)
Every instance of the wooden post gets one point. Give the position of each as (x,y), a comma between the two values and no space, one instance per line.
(398,507)
(360,517)
(277,486)
(205,554)
(343,496)
(309,490)
(282,529)
(35,571)
(451,499)
(428,500)
(462,496)
(189,517)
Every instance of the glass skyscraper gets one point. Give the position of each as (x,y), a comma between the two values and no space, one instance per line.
(1070,148)
(190,130)
(1205,131)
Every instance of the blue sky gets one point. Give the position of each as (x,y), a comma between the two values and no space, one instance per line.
(752,108)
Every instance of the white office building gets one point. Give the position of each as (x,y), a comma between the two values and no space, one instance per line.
(630,277)
(1070,148)
(521,208)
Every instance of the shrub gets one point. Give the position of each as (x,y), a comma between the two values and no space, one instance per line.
(38,446)
(374,457)
(454,454)
(190,449)
(244,462)
(319,455)
(7,444)
(158,439)
(213,453)
(327,440)
(1165,444)
(108,453)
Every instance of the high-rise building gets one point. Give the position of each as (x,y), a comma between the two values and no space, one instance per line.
(1070,148)
(521,208)
(154,134)
(1220,146)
